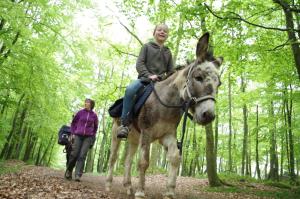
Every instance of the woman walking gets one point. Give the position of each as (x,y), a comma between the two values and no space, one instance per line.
(83,134)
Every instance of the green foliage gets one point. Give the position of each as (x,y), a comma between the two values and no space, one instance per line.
(231,177)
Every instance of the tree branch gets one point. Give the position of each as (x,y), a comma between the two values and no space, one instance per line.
(120,51)
(239,18)
(130,32)
(127,29)
(285,44)
(264,12)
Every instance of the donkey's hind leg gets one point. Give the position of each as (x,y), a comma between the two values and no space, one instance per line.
(169,141)
(115,143)
(132,147)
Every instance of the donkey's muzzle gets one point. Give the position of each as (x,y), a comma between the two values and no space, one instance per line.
(205,112)
(207,117)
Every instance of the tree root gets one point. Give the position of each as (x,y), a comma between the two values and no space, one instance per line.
(226,183)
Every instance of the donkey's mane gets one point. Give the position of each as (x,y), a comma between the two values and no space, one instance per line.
(209,57)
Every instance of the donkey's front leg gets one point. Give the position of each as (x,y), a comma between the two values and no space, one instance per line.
(143,164)
(128,162)
(170,142)
(115,143)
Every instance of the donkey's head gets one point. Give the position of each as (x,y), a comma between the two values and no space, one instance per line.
(203,82)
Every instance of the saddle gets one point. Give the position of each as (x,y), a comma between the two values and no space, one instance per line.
(115,110)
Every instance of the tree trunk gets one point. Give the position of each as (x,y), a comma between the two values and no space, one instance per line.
(195,149)
(50,155)
(96,146)
(216,131)
(5,103)
(249,168)
(7,53)
(178,39)
(29,145)
(245,142)
(2,23)
(101,160)
(286,136)
(203,160)
(155,153)
(19,146)
(4,152)
(90,161)
(266,166)
(20,133)
(291,33)
(230,124)
(43,157)
(213,178)
(35,144)
(289,110)
(37,158)
(281,154)
(273,174)
(256,146)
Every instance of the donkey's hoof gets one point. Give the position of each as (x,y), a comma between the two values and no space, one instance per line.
(139,195)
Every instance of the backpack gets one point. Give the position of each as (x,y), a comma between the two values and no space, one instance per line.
(63,135)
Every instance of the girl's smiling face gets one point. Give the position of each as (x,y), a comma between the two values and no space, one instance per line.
(161,33)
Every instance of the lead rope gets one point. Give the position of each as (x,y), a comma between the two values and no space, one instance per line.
(164,104)
(186,114)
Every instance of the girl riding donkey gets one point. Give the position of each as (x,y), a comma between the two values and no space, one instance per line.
(154,64)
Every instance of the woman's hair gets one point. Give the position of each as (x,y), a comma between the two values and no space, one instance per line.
(91,101)
(162,24)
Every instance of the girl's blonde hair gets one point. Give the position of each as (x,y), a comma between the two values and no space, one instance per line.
(162,24)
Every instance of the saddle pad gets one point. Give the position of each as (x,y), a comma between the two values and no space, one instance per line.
(116,109)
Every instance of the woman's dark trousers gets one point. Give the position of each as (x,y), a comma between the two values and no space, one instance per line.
(80,148)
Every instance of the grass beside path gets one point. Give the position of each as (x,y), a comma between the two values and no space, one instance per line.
(259,188)
(10,166)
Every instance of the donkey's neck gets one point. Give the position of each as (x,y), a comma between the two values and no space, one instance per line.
(171,90)
(176,80)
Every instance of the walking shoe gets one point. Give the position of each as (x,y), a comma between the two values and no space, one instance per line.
(122,132)
(77,178)
(68,175)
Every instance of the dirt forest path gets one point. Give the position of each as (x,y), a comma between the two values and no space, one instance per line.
(41,182)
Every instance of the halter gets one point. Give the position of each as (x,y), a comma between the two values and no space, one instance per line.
(190,100)
(196,100)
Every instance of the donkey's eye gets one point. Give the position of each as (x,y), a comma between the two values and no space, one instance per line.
(199,78)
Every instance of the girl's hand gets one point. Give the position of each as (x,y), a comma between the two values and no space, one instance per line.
(154,77)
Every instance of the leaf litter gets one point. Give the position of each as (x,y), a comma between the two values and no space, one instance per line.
(35,182)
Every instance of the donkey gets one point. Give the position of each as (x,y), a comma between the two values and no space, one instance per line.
(198,82)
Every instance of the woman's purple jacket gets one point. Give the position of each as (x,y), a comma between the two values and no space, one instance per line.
(85,122)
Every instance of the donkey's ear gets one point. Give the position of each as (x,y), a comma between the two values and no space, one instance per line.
(202,47)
